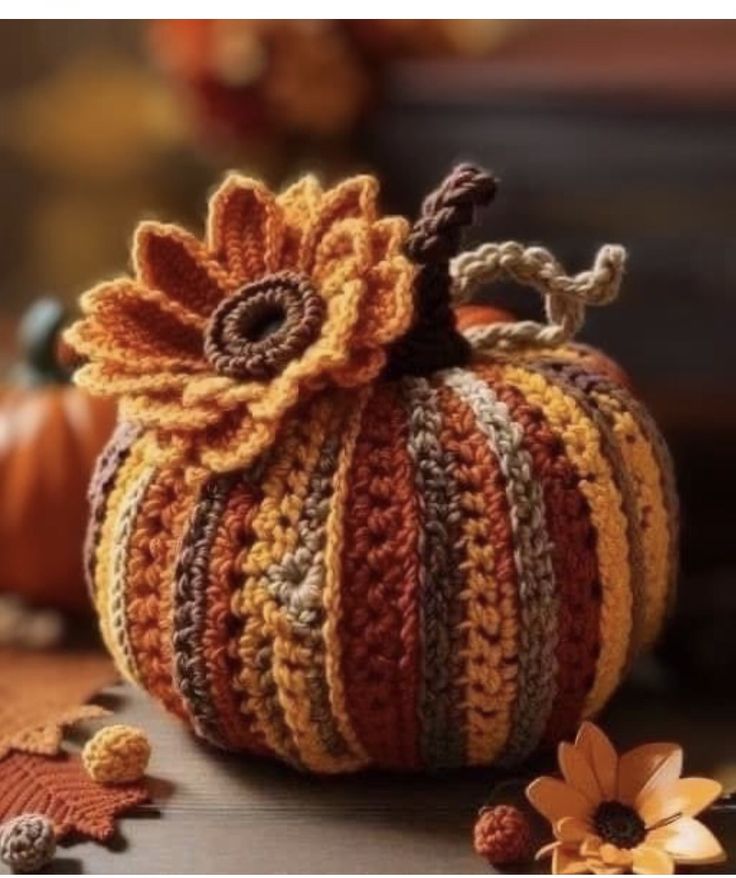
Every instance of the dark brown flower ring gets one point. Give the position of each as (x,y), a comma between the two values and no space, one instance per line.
(255,333)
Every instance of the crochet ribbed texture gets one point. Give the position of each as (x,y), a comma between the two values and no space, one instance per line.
(306,556)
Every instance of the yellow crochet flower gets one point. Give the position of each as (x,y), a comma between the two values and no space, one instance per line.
(213,343)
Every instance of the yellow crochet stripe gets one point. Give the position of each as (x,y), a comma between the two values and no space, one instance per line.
(651,504)
(285,488)
(488,680)
(582,446)
(333,578)
(128,474)
(295,661)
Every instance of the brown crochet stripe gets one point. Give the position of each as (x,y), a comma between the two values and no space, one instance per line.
(574,559)
(222,629)
(569,377)
(101,484)
(437,494)
(479,499)
(379,627)
(190,604)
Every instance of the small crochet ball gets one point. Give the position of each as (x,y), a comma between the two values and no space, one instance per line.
(342,527)
(27,842)
(117,754)
(502,835)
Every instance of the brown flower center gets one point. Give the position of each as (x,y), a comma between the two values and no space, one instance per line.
(619,824)
(255,333)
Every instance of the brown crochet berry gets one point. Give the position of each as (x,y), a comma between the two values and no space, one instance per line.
(502,835)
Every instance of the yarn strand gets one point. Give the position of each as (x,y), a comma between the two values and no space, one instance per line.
(565,296)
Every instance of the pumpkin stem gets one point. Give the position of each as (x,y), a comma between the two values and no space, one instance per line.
(38,340)
(433,341)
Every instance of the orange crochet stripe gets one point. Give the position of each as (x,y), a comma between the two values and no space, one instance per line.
(379,627)
(159,525)
(219,641)
(485,631)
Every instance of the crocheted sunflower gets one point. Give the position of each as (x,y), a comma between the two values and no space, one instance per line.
(214,342)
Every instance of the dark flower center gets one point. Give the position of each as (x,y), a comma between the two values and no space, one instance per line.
(619,824)
(255,333)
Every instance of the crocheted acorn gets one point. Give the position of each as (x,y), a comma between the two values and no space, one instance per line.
(117,754)
(27,842)
(502,835)
(335,529)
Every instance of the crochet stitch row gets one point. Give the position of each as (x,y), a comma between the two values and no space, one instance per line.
(430,571)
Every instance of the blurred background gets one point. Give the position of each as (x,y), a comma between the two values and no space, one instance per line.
(599,131)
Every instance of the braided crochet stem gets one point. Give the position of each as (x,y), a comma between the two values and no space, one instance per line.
(433,341)
(565,297)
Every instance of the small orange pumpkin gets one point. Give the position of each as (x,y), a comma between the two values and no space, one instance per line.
(50,434)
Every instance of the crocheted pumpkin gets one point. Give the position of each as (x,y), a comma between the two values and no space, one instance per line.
(50,436)
(333,529)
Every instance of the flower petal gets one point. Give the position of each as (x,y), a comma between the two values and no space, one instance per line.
(136,329)
(106,379)
(688,796)
(387,308)
(567,861)
(601,756)
(651,860)
(555,799)
(578,772)
(688,842)
(344,253)
(170,260)
(235,442)
(165,412)
(614,856)
(637,766)
(353,198)
(300,205)
(245,229)
(660,783)
(572,830)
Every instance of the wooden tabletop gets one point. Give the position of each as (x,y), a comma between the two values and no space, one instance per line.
(219,813)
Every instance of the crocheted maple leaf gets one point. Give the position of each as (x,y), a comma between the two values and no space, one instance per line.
(61,790)
(43,692)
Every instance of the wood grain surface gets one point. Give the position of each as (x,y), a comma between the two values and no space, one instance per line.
(224,814)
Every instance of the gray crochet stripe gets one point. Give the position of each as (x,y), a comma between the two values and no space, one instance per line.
(190,606)
(297,583)
(532,553)
(441,739)
(118,569)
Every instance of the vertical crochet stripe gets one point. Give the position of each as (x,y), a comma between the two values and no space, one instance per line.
(441,738)
(617,397)
(129,472)
(159,526)
(190,606)
(485,608)
(574,560)
(334,541)
(237,729)
(296,585)
(572,379)
(285,488)
(123,528)
(582,446)
(380,619)
(538,600)
(104,476)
